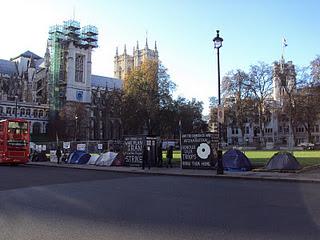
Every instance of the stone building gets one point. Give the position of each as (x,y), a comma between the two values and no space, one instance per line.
(277,128)
(23,90)
(38,89)
(124,63)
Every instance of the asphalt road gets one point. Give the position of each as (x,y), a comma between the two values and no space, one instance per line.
(58,203)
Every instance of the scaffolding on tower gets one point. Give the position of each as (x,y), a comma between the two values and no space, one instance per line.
(60,37)
(56,70)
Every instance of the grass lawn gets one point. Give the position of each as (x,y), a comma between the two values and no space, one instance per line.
(305,158)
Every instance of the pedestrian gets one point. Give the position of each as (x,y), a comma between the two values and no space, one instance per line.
(169,156)
(64,156)
(145,157)
(58,154)
(159,153)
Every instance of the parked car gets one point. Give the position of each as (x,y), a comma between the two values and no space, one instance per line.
(306,146)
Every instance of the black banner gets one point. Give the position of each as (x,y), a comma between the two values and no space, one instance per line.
(197,151)
(134,150)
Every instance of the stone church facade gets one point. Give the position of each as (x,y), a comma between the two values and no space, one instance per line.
(36,88)
(39,89)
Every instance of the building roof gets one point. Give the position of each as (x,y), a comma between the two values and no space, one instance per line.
(28,54)
(8,67)
(106,82)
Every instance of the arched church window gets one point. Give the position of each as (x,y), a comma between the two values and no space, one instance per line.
(79,68)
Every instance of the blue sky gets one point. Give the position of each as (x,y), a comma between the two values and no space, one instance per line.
(183,29)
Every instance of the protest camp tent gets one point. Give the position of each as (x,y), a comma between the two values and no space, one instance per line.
(79,157)
(119,160)
(93,159)
(283,161)
(235,160)
(39,157)
(106,159)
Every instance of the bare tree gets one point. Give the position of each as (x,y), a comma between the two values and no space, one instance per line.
(307,108)
(315,70)
(235,88)
(260,85)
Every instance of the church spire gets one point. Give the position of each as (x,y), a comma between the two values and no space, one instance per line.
(117,54)
(155,46)
(137,45)
(47,56)
(146,43)
(125,49)
(32,64)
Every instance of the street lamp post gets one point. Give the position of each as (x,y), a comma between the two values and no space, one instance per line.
(217,45)
(75,132)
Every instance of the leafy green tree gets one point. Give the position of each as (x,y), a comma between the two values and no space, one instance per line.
(147,93)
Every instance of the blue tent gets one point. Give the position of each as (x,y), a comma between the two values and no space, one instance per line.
(235,160)
(79,157)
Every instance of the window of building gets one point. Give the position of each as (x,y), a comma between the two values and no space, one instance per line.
(268,130)
(41,113)
(316,128)
(8,110)
(299,129)
(22,111)
(268,119)
(28,111)
(286,130)
(234,130)
(1,110)
(35,113)
(247,130)
(79,68)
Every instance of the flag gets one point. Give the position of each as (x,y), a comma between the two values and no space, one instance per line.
(220,114)
(284,42)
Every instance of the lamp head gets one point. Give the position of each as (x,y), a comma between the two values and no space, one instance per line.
(217,41)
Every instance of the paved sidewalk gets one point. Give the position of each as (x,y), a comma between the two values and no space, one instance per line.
(305,176)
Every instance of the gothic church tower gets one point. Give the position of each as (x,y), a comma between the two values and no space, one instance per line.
(124,63)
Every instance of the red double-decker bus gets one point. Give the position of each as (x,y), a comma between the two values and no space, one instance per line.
(14,141)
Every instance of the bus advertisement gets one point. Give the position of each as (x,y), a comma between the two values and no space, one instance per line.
(14,141)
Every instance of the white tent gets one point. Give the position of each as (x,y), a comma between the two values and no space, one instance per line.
(106,159)
(93,159)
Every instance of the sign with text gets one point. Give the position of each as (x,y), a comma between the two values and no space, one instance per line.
(197,151)
(53,156)
(66,145)
(81,147)
(134,150)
